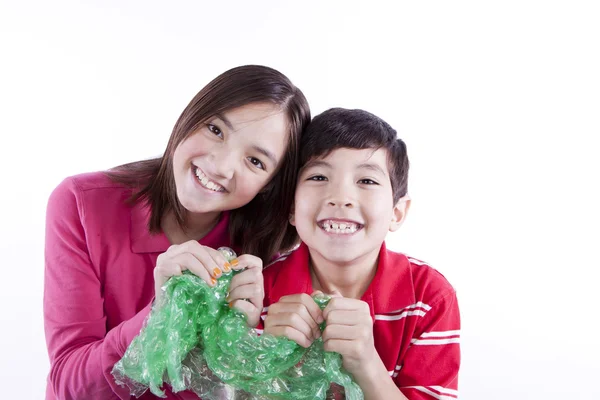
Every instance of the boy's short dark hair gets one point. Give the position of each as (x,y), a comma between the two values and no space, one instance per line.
(356,129)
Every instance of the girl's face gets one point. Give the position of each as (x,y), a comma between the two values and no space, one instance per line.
(228,160)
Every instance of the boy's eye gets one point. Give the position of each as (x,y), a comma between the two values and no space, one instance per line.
(368,181)
(318,178)
(256,162)
(215,129)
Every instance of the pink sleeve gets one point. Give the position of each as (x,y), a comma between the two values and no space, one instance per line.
(429,369)
(82,353)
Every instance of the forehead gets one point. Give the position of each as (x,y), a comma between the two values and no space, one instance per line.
(256,115)
(343,159)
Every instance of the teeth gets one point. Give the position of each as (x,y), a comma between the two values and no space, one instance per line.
(341,228)
(204,181)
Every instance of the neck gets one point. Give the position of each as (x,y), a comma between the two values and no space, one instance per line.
(350,278)
(196,226)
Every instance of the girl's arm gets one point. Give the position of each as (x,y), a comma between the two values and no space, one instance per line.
(82,352)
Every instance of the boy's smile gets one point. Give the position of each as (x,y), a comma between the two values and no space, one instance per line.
(344,206)
(340,226)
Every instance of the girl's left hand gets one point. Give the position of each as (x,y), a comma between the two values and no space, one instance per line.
(246,292)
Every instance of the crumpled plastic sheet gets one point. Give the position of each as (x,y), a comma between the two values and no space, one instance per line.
(192,340)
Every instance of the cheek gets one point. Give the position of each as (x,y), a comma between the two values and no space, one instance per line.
(249,186)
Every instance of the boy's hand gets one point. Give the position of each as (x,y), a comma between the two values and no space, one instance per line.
(296,317)
(349,331)
(246,291)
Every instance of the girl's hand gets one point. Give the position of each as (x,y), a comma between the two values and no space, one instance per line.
(204,262)
(246,292)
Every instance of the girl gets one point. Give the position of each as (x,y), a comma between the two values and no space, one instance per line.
(114,238)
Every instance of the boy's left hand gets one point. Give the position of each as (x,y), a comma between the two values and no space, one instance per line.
(349,331)
(246,291)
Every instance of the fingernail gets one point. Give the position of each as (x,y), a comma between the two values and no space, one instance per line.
(216,272)
(227,267)
(235,262)
(230,304)
(213,281)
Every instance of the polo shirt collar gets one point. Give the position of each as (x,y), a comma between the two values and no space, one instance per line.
(390,290)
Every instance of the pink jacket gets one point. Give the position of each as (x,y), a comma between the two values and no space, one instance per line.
(99,283)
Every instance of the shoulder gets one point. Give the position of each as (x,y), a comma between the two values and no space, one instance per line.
(413,275)
(428,280)
(91,193)
(78,184)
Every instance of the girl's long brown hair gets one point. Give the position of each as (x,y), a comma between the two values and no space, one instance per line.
(260,227)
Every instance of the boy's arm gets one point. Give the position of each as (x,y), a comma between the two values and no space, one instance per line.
(429,369)
(349,332)
(376,384)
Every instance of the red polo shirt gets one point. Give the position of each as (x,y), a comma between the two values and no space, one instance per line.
(99,283)
(416,319)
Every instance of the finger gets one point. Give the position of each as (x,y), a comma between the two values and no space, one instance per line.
(253,292)
(191,263)
(162,274)
(247,261)
(308,302)
(290,333)
(252,275)
(211,259)
(294,315)
(336,293)
(341,346)
(358,333)
(251,312)
(345,317)
(207,261)
(344,303)
(219,259)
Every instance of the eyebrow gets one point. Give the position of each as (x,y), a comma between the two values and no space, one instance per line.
(372,167)
(321,163)
(316,163)
(266,153)
(225,121)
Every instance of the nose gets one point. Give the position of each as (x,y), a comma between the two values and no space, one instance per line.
(224,162)
(341,196)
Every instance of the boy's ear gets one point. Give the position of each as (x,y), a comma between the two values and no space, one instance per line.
(399,213)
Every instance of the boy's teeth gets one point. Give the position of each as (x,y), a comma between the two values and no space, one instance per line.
(343,227)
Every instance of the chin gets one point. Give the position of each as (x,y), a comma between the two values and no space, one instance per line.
(338,257)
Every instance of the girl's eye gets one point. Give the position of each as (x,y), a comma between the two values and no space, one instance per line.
(318,178)
(367,181)
(215,129)
(256,162)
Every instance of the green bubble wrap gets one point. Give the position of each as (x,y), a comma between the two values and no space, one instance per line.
(194,341)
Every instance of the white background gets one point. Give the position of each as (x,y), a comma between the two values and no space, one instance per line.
(499,103)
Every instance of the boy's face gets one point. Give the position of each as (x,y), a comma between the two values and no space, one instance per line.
(344,205)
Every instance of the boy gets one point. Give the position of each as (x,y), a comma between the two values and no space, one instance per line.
(394,319)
